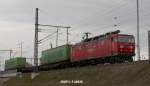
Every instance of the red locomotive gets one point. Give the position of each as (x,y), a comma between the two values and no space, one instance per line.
(110,47)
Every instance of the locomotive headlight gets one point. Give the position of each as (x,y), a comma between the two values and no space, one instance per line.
(131,47)
(121,46)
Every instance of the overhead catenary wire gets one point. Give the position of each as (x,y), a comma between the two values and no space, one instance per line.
(111,10)
(123,4)
(46,37)
(50,38)
(106,12)
(45,30)
(128,20)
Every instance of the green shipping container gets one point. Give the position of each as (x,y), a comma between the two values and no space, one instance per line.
(58,54)
(15,63)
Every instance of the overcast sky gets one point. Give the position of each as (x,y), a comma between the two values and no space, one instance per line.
(95,16)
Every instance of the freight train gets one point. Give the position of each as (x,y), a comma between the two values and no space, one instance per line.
(111,47)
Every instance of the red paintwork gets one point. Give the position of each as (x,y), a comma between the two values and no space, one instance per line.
(128,48)
(102,47)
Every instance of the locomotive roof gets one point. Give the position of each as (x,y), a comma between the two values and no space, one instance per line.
(105,35)
(101,36)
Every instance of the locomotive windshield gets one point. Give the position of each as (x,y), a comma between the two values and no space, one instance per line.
(129,39)
(126,39)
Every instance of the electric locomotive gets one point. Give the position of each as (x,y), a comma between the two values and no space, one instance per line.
(110,47)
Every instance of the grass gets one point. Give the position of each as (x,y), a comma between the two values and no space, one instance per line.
(126,74)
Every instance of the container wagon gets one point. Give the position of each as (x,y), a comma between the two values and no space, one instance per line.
(15,63)
(56,56)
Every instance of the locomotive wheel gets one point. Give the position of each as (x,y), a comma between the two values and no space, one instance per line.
(112,60)
(130,59)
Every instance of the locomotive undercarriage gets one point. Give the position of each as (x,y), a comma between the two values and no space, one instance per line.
(120,58)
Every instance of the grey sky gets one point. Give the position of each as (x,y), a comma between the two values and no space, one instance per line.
(96,16)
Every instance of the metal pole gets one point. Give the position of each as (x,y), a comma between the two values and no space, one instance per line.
(149,45)
(21,48)
(36,41)
(67,35)
(51,45)
(138,39)
(10,53)
(57,38)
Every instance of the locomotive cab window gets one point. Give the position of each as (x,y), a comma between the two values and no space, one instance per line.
(129,39)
